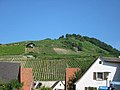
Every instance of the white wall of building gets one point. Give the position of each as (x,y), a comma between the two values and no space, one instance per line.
(60,86)
(87,79)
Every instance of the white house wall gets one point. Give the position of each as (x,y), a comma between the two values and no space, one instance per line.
(59,86)
(87,79)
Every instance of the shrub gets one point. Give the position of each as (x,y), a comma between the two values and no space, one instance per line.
(45,88)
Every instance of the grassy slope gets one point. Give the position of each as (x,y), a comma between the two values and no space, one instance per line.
(49,65)
(11,49)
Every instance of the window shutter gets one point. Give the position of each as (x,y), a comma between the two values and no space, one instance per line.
(94,75)
(105,75)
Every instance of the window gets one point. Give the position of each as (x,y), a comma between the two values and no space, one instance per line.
(106,75)
(100,62)
(100,75)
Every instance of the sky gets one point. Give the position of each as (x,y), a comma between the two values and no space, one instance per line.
(22,20)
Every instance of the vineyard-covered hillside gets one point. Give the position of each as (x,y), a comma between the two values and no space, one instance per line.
(49,58)
(49,69)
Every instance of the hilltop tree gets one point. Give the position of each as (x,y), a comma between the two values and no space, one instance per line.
(103,45)
(61,37)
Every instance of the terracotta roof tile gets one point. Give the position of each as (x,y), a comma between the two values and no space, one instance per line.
(26,78)
(70,73)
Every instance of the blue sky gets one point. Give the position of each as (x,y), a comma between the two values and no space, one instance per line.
(22,20)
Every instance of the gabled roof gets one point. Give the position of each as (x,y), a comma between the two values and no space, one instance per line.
(112,60)
(57,83)
(9,71)
(30,45)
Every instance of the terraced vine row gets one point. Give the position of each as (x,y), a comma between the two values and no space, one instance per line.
(48,70)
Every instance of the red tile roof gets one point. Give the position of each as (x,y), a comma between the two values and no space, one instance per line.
(26,78)
(70,73)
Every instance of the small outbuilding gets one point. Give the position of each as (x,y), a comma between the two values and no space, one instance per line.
(30,45)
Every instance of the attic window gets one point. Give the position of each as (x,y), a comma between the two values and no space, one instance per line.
(100,62)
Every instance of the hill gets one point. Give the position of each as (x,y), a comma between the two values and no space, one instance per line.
(49,58)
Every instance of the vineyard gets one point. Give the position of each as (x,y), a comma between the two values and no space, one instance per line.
(52,57)
(49,70)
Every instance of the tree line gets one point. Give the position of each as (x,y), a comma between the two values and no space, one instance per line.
(72,41)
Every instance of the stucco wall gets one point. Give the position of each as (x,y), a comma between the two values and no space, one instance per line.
(87,79)
(60,86)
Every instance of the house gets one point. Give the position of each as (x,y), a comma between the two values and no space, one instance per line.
(10,71)
(31,47)
(69,75)
(55,85)
(59,85)
(103,72)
